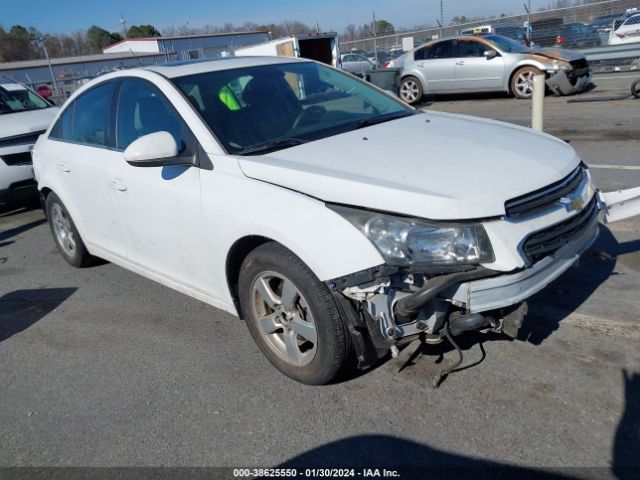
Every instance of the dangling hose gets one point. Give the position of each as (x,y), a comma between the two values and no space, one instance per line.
(441,376)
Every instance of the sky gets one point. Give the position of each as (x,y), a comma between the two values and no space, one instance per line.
(62,16)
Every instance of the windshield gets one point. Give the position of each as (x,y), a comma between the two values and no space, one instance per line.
(507,45)
(265,108)
(15,97)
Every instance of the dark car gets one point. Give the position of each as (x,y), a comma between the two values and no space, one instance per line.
(544,33)
(603,24)
(577,36)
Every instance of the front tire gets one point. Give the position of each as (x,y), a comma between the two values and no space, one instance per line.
(292,316)
(522,82)
(411,90)
(65,234)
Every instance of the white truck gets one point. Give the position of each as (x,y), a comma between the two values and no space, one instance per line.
(322,47)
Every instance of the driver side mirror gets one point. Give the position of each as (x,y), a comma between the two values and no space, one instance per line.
(490,54)
(158,149)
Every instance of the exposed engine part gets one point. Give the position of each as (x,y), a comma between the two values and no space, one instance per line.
(409,306)
(512,319)
(362,294)
(459,322)
(441,376)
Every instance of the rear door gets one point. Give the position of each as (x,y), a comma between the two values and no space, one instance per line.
(436,64)
(474,71)
(81,143)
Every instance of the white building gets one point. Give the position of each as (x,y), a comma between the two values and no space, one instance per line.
(189,47)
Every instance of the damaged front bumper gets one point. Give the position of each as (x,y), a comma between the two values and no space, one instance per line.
(568,82)
(393,306)
(509,289)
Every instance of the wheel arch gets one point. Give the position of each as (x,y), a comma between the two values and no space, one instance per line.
(516,68)
(235,256)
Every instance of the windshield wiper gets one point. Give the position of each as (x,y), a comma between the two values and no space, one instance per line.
(367,122)
(277,144)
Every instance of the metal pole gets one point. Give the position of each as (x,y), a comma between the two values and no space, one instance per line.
(53,77)
(537,99)
(375,42)
(441,17)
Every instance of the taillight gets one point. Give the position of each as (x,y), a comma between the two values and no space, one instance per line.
(560,39)
(386,64)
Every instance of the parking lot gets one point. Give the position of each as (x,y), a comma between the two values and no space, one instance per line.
(101,367)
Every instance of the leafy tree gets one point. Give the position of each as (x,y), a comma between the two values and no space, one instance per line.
(98,38)
(142,31)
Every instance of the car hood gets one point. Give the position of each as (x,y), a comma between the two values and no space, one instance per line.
(435,165)
(19,123)
(557,54)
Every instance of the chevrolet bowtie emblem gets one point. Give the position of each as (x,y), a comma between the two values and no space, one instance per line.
(572,203)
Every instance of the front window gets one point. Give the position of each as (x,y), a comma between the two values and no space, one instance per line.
(15,97)
(507,45)
(265,108)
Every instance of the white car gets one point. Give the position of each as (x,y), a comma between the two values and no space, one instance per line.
(24,115)
(626,29)
(335,219)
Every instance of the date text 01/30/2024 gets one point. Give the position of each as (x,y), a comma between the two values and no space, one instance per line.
(314,473)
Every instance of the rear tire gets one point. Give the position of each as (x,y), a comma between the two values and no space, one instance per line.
(522,82)
(292,316)
(411,90)
(65,234)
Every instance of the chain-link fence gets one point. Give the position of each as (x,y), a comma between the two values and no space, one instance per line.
(607,32)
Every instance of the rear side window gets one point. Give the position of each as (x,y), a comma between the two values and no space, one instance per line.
(87,119)
(437,51)
(91,116)
(63,128)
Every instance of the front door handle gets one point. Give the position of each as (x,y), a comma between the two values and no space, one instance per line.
(118,185)
(64,167)
(461,62)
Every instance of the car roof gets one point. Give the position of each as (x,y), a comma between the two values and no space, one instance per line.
(181,69)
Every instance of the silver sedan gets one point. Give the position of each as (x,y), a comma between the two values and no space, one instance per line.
(466,64)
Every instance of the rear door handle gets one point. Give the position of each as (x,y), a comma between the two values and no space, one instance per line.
(64,167)
(118,185)
(460,63)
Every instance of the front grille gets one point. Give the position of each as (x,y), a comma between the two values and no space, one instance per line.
(26,139)
(540,244)
(22,158)
(544,198)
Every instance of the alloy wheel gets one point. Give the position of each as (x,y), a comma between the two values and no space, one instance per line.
(284,318)
(409,91)
(63,230)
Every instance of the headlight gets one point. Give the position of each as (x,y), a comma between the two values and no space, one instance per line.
(410,241)
(561,65)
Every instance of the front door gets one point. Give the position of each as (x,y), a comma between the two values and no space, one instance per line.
(474,71)
(158,207)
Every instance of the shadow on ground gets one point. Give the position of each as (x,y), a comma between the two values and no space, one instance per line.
(22,308)
(415,460)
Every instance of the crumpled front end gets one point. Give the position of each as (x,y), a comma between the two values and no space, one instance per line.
(541,236)
(569,81)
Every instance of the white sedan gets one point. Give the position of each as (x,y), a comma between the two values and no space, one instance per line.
(335,219)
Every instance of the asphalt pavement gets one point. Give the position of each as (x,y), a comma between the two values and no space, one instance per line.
(101,367)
